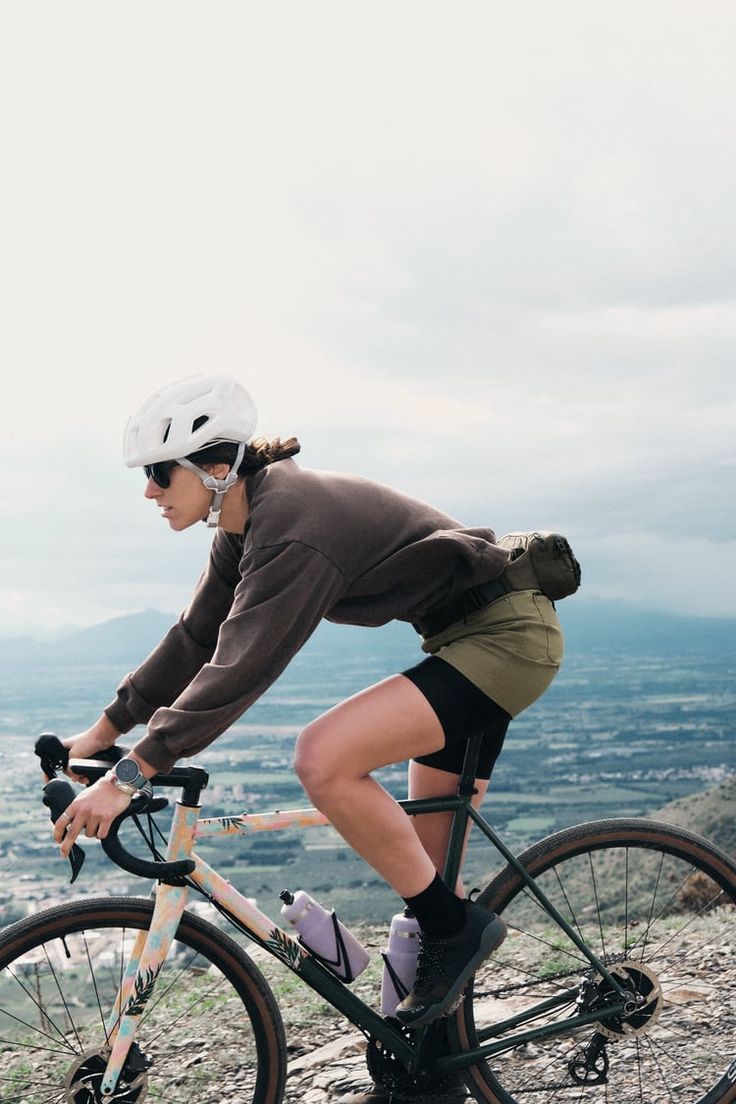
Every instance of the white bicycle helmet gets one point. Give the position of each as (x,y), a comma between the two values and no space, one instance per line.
(187,416)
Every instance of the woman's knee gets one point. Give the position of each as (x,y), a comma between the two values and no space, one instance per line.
(314,762)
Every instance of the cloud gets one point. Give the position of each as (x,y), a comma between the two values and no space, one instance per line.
(485,254)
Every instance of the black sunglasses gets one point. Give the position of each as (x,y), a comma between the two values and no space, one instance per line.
(160,472)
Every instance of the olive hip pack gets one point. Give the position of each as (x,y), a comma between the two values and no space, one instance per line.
(541,561)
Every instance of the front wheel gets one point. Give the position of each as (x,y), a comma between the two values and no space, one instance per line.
(656,905)
(212,1029)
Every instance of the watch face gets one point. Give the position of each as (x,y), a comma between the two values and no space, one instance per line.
(127,770)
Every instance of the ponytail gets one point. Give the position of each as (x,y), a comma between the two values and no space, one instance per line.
(259,453)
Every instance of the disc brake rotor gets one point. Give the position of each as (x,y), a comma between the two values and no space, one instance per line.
(647,1002)
(83,1084)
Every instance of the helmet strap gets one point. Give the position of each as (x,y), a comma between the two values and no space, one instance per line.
(219,487)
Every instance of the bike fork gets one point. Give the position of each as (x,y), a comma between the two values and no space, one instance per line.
(147,957)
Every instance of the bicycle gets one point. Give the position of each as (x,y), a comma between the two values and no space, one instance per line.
(611,985)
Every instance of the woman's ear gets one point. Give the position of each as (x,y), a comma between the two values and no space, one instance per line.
(220,471)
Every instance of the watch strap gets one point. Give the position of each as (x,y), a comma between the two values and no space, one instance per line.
(132,786)
(131,791)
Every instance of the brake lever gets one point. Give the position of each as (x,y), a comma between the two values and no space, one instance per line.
(57,795)
(53,754)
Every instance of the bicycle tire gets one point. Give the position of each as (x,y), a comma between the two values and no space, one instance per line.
(59,973)
(656,904)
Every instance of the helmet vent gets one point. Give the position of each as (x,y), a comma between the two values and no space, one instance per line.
(199,422)
(166,431)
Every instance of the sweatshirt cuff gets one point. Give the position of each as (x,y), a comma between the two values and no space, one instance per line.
(129,708)
(120,716)
(153,750)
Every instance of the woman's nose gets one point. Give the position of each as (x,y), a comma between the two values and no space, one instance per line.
(152,489)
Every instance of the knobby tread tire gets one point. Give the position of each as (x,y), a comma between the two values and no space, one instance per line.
(585,840)
(214,945)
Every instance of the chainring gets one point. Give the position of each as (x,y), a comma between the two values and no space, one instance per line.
(390,1073)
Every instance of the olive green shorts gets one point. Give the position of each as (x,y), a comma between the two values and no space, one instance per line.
(510,649)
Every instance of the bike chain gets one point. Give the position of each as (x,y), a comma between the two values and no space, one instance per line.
(607,961)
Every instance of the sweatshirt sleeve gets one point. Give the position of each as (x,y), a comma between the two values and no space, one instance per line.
(187,646)
(284,592)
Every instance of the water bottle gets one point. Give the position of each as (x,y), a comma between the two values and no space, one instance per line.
(399,961)
(322,933)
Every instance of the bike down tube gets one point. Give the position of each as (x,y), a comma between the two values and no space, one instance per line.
(138,983)
(549,908)
(262,930)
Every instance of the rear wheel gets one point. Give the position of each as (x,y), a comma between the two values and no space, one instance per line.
(211,1031)
(656,905)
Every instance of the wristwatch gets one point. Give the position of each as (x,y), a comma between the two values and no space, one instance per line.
(127,776)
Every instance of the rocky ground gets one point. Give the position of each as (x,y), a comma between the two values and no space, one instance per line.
(327,1056)
(693,1034)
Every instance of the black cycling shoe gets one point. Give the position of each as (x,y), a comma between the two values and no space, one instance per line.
(446,965)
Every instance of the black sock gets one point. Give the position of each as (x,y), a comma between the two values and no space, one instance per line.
(437,909)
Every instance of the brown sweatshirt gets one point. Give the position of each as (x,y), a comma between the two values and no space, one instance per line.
(316,544)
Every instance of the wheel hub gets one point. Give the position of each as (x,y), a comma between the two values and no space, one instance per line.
(83,1084)
(644,1007)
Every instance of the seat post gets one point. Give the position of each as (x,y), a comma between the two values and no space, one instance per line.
(466,785)
(458,830)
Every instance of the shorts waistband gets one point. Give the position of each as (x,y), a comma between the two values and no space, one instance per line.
(477,598)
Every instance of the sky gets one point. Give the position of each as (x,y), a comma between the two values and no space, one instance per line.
(484,252)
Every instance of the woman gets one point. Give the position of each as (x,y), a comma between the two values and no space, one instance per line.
(293,546)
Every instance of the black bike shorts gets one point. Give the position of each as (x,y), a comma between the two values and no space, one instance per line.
(463,710)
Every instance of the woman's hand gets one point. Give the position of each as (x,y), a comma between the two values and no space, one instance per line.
(92,811)
(89,744)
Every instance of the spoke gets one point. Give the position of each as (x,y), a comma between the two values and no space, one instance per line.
(681,1038)
(184,1012)
(707,940)
(30,1090)
(37,1004)
(638,1068)
(34,1046)
(576,958)
(15,1080)
(527,986)
(94,982)
(655,891)
(57,1049)
(597,904)
(626,899)
(63,999)
(661,1071)
(663,910)
(571,910)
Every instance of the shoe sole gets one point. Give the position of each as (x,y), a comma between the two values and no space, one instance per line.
(491,939)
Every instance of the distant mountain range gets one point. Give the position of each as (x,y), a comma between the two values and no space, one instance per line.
(598,625)
(709,812)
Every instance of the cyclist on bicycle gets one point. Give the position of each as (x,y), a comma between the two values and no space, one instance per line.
(292,546)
